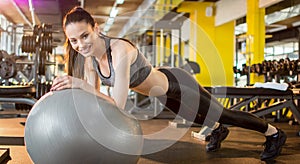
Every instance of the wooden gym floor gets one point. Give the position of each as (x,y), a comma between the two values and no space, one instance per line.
(241,146)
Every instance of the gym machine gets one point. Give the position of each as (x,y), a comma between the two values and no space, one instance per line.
(25,79)
(4,155)
(39,43)
(14,87)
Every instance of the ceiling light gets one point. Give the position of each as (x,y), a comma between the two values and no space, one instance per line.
(113,12)
(295,24)
(279,28)
(119,1)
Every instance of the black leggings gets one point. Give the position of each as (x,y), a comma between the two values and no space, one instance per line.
(191,101)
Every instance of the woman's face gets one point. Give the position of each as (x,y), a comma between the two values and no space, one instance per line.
(82,37)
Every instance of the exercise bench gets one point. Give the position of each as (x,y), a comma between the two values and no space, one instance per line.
(17,94)
(242,96)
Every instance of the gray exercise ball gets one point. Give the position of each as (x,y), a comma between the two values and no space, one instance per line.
(74,126)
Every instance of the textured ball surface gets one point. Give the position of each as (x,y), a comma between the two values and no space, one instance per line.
(74,126)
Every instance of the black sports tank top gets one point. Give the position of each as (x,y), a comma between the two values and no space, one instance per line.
(139,70)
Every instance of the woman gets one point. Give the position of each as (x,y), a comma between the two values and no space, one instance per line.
(119,63)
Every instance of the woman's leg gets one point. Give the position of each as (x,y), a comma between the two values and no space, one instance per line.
(191,101)
(184,89)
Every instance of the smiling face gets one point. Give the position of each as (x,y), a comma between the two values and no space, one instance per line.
(82,37)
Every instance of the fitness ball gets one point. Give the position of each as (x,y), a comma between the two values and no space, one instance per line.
(74,126)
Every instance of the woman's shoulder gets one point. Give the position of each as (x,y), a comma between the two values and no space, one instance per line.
(122,48)
(121,42)
(117,42)
(122,45)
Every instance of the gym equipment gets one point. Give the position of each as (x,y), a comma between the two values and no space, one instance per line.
(191,67)
(7,65)
(41,39)
(74,126)
(7,68)
(143,107)
(14,87)
(244,96)
(20,96)
(4,155)
(41,44)
(285,69)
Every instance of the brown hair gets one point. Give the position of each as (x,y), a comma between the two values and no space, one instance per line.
(75,61)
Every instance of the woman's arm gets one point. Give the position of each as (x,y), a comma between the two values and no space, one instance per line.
(123,54)
(90,83)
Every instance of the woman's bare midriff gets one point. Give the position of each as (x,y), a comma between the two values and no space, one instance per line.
(156,84)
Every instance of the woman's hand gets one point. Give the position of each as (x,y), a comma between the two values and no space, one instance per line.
(65,82)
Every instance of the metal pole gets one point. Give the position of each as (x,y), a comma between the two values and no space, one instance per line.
(298,75)
(161,54)
(171,50)
(179,49)
(298,42)
(236,60)
(154,48)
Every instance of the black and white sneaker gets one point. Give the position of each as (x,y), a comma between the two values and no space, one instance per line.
(217,136)
(273,145)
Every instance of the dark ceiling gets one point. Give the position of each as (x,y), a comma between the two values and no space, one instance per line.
(52,11)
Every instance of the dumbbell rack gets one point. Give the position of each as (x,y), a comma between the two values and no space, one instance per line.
(273,70)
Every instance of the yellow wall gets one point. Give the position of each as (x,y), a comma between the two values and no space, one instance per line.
(225,43)
(255,36)
(213,47)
